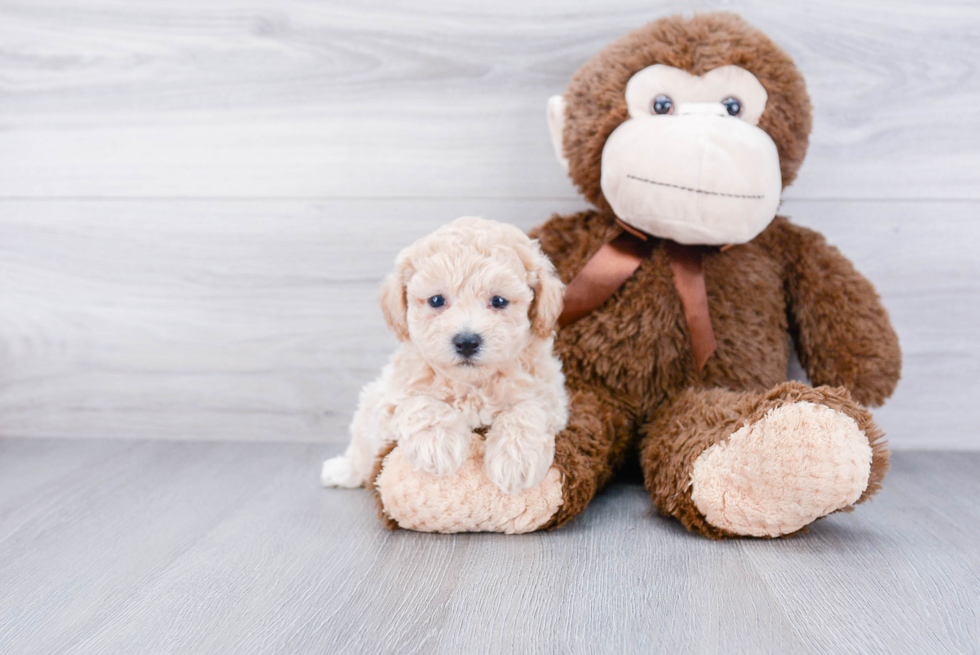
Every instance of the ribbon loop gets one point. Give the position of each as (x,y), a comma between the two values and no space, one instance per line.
(616,261)
(685,263)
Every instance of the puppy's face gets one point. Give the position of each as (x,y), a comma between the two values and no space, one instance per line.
(472,295)
(469,310)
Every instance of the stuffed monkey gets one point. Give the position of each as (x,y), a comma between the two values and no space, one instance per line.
(683,290)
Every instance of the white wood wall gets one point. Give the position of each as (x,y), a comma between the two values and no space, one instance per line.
(198,198)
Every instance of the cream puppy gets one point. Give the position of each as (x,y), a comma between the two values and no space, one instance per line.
(474,305)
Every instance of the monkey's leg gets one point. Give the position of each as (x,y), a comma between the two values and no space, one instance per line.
(587,452)
(590,449)
(762,464)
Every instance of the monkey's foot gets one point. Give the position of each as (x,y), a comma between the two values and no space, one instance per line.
(464,501)
(774,476)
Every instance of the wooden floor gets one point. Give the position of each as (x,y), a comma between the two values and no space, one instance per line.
(191,547)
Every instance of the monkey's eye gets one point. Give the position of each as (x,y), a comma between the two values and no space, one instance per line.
(499,303)
(662,105)
(733,105)
(437,301)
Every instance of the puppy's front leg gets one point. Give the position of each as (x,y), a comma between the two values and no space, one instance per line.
(432,435)
(520,447)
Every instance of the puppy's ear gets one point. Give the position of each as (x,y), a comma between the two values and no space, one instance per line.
(549,292)
(394,300)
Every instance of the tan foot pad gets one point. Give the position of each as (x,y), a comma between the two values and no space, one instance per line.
(466,501)
(799,462)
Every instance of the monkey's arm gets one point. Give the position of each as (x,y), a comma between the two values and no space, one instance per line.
(842,332)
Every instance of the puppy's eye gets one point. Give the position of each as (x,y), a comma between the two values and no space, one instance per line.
(499,303)
(437,301)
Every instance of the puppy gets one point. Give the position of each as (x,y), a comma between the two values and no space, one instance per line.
(474,305)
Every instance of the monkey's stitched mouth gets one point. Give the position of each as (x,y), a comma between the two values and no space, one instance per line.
(693,190)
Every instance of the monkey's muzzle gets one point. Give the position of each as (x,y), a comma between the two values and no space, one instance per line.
(699,177)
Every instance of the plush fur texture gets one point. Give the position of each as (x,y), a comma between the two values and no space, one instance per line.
(431,398)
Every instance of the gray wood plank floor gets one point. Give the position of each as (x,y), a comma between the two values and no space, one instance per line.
(182,547)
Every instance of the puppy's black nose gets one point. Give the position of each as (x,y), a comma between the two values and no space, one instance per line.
(467,343)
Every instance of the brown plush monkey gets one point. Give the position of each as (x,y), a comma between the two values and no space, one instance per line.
(683,290)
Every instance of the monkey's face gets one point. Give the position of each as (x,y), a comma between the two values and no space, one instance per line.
(689,164)
(687,128)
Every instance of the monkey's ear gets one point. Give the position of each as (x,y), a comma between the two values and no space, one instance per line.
(549,292)
(556,125)
(394,304)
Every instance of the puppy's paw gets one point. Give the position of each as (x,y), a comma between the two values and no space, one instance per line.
(438,450)
(515,464)
(338,472)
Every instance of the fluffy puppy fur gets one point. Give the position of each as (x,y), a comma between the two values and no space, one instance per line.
(474,306)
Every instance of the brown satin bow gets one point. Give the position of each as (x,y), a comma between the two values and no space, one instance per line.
(617,260)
